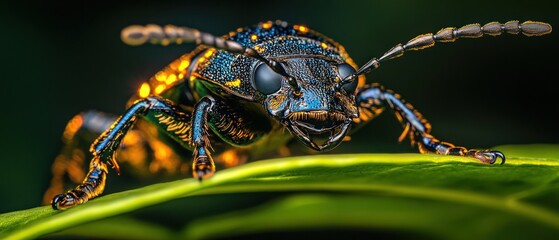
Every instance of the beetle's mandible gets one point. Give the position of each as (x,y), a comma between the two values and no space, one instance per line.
(237,94)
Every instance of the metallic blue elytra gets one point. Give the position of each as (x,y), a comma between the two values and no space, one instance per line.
(249,93)
(277,42)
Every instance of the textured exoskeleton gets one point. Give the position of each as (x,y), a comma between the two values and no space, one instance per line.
(237,94)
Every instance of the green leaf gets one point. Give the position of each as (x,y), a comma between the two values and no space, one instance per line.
(118,228)
(398,195)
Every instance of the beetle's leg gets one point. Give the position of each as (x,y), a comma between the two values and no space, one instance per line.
(234,126)
(142,149)
(80,131)
(374,97)
(203,165)
(162,112)
(92,186)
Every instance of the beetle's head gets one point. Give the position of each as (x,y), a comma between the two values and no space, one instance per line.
(314,105)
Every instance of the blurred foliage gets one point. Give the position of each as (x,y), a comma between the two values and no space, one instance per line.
(329,196)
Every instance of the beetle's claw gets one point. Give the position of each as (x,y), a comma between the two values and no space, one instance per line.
(501,155)
(203,167)
(488,156)
(62,201)
(56,200)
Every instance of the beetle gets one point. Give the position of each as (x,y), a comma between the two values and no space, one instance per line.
(240,93)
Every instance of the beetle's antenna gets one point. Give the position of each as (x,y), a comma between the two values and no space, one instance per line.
(137,35)
(450,34)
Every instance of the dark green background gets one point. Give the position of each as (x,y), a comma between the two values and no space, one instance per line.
(59,59)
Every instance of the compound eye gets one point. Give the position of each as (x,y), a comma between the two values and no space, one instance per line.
(266,80)
(345,70)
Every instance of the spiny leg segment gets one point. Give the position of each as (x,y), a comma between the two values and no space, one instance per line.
(159,111)
(92,186)
(203,165)
(231,125)
(374,97)
(80,131)
(191,130)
